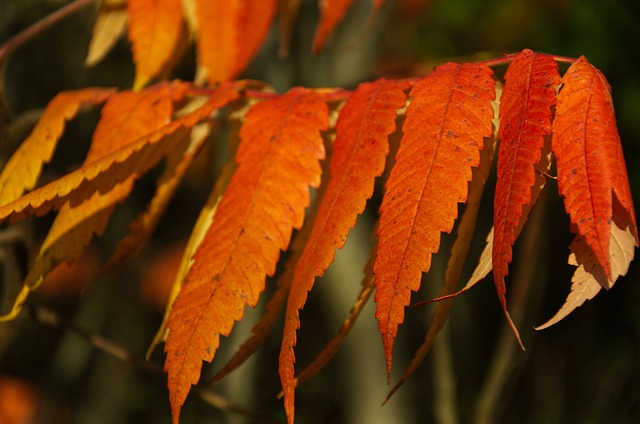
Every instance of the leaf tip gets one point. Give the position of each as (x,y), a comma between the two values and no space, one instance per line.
(514,329)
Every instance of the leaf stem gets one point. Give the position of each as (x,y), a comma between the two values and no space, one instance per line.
(508,58)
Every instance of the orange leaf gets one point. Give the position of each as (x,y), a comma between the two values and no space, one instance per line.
(23,169)
(446,122)
(525,117)
(253,26)
(155,28)
(331,12)
(102,174)
(464,235)
(83,190)
(359,153)
(177,163)
(589,158)
(126,117)
(129,115)
(277,162)
(230,33)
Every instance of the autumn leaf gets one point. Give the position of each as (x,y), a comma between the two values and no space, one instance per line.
(195,239)
(230,34)
(86,192)
(23,169)
(591,169)
(589,277)
(277,162)
(485,264)
(448,117)
(276,302)
(102,174)
(359,153)
(126,117)
(178,162)
(110,24)
(525,118)
(331,12)
(155,28)
(459,250)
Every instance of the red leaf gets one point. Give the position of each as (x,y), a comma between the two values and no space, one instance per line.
(331,12)
(589,158)
(525,117)
(359,153)
(266,197)
(443,133)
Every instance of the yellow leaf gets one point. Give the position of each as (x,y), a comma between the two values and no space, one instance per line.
(589,278)
(23,169)
(110,24)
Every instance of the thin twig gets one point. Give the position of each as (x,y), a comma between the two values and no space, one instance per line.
(36,28)
(53,319)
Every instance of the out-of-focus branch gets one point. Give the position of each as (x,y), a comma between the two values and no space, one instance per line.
(53,319)
(36,28)
(505,360)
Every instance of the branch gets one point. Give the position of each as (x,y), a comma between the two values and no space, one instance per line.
(33,30)
(52,319)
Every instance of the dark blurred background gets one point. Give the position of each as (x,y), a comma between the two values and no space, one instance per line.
(583,370)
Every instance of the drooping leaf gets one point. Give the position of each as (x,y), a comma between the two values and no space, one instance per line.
(133,159)
(277,162)
(485,264)
(331,13)
(359,153)
(589,278)
(201,225)
(129,115)
(253,27)
(272,309)
(525,118)
(110,24)
(23,169)
(446,122)
(230,34)
(126,117)
(460,248)
(155,28)
(591,168)
(178,162)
